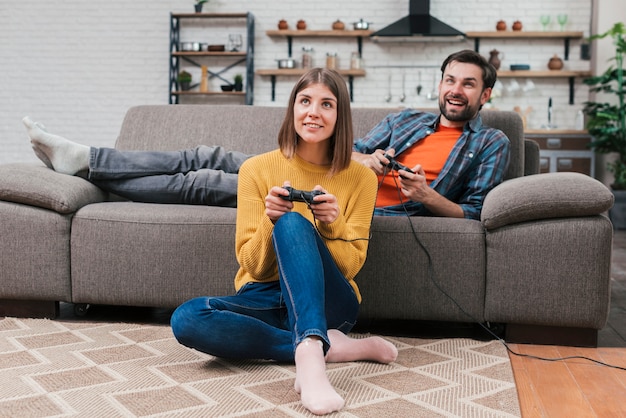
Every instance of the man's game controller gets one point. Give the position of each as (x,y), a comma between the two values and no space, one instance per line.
(296,195)
(394,165)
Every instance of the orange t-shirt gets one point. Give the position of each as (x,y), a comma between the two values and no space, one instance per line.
(431,152)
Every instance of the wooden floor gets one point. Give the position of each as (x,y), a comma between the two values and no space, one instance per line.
(576,387)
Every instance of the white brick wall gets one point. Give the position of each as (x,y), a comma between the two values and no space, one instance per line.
(77,66)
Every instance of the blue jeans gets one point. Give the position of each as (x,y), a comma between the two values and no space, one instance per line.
(268,320)
(198,176)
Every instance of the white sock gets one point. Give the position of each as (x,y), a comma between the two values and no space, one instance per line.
(316,392)
(61,154)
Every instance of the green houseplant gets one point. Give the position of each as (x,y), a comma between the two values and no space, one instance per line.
(606,121)
(184,80)
(198,5)
(238,79)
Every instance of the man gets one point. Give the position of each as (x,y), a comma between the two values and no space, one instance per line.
(455,159)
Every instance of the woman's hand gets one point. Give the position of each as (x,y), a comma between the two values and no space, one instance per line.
(275,205)
(327,210)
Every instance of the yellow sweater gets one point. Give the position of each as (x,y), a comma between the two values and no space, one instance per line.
(354,187)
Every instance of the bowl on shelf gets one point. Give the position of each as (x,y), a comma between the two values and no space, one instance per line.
(190,46)
(520,67)
(227,87)
(216,48)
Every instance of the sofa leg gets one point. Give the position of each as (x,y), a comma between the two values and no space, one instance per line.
(29,308)
(546,335)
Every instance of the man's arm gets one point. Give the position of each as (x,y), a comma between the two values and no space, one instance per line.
(375,161)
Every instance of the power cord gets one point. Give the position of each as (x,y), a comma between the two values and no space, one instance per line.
(489,331)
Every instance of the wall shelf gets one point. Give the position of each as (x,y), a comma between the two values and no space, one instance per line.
(566,36)
(525,35)
(289,34)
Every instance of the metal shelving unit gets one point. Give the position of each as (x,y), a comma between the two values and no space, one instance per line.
(245,58)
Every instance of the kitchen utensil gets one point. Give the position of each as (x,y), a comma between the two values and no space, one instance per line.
(432,95)
(550,125)
(388,96)
(402,95)
(549,112)
(361,25)
(286,63)
(419,83)
(190,46)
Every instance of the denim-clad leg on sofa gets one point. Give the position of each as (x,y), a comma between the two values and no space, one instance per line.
(268,320)
(202,175)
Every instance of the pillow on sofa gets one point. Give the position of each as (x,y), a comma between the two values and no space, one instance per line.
(542,196)
(37,185)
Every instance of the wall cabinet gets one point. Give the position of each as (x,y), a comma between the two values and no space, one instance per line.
(244,58)
(564,150)
(522,35)
(290,34)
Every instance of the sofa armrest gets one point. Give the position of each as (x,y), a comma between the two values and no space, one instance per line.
(543,196)
(37,185)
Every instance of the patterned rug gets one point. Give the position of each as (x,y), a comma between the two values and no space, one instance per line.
(93,369)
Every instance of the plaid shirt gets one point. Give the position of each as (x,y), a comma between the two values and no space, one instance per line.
(475,165)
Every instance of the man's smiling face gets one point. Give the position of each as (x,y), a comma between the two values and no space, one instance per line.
(461,93)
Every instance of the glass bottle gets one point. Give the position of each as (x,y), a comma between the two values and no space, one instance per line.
(307,57)
(355,61)
(331,60)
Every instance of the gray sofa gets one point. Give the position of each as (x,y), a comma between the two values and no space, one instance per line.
(537,262)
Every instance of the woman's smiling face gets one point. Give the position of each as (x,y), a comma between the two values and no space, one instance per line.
(315,114)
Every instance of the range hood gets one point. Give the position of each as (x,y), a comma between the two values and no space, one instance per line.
(419,25)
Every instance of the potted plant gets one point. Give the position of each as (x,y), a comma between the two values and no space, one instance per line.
(238,79)
(198,5)
(184,80)
(606,121)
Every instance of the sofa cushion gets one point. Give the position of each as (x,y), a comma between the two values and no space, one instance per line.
(542,196)
(37,185)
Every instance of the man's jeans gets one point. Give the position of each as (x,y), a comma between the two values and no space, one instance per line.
(198,176)
(268,320)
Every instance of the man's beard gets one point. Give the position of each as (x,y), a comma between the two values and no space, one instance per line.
(469,112)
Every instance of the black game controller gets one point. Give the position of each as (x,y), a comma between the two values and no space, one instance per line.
(394,165)
(296,195)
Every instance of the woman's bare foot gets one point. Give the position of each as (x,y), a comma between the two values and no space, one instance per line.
(58,153)
(344,348)
(316,392)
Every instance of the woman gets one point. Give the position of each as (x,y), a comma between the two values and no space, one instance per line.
(296,296)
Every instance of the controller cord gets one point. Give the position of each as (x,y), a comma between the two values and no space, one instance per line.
(431,275)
